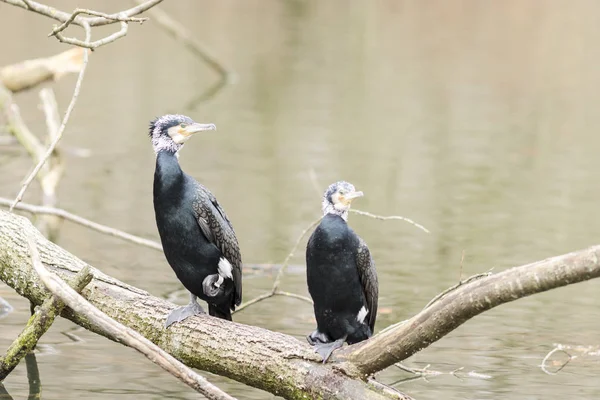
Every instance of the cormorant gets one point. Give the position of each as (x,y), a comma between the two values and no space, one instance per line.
(198,239)
(341,276)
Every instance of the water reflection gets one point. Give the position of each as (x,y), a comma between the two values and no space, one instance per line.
(33,379)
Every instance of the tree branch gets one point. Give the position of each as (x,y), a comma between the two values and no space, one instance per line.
(38,324)
(467,301)
(119,333)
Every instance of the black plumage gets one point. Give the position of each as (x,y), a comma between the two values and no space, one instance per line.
(197,237)
(341,276)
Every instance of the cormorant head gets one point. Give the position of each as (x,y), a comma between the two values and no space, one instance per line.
(337,198)
(171,131)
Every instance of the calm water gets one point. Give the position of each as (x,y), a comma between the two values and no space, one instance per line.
(477,119)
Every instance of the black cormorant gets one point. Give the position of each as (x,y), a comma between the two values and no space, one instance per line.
(198,239)
(341,276)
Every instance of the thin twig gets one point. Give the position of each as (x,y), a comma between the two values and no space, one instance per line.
(454,287)
(557,348)
(120,17)
(63,16)
(291,254)
(389,217)
(62,126)
(83,222)
(388,391)
(275,289)
(121,333)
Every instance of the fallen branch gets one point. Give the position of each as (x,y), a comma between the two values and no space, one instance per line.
(38,324)
(30,73)
(275,362)
(119,333)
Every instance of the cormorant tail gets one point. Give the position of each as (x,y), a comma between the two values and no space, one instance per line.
(219,312)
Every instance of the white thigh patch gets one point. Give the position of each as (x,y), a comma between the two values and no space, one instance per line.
(362,314)
(225,268)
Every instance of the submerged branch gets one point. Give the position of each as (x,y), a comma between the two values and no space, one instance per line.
(38,324)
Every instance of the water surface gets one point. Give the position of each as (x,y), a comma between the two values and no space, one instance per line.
(477,119)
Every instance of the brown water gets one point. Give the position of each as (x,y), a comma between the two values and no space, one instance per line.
(477,119)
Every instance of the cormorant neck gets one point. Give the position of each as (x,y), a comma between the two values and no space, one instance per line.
(167,172)
(329,208)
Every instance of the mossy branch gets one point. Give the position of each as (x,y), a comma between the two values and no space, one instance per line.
(38,324)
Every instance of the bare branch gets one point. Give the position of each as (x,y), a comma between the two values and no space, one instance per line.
(62,16)
(52,146)
(121,333)
(83,222)
(121,17)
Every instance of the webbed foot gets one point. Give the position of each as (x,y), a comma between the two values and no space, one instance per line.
(181,313)
(211,286)
(325,349)
(317,337)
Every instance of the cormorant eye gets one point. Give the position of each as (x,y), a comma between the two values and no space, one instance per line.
(183,124)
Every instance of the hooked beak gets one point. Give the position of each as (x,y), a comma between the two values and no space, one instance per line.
(196,127)
(353,195)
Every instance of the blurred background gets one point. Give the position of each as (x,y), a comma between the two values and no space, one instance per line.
(477,119)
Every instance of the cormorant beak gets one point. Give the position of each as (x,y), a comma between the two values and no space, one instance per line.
(353,195)
(196,127)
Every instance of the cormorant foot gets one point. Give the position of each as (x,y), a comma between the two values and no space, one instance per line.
(211,286)
(325,349)
(317,337)
(181,313)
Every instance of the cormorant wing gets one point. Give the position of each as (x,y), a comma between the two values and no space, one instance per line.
(368,279)
(218,230)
